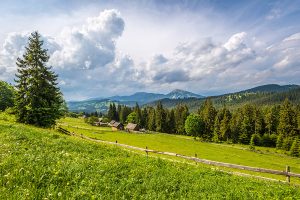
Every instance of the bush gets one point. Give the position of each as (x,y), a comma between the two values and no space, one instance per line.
(255,140)
(287,143)
(268,140)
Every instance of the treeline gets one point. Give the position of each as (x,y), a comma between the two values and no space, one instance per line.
(271,126)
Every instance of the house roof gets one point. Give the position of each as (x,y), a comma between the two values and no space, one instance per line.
(117,124)
(131,126)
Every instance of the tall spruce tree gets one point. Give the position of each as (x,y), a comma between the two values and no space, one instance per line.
(38,99)
(287,119)
(208,114)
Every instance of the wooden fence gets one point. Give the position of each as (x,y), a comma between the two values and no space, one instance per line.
(286,172)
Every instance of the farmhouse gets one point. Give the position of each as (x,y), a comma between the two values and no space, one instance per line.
(132,127)
(117,126)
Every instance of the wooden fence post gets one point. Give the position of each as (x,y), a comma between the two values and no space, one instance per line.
(287,170)
(196,157)
(147,151)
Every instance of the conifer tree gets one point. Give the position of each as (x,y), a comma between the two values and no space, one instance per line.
(208,113)
(225,125)
(160,118)
(151,119)
(144,118)
(287,121)
(38,99)
(181,113)
(294,151)
(279,142)
(138,116)
(271,119)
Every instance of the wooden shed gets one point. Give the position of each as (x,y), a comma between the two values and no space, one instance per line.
(132,127)
(117,126)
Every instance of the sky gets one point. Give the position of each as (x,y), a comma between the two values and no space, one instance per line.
(119,47)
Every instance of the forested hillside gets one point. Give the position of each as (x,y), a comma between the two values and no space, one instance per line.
(236,100)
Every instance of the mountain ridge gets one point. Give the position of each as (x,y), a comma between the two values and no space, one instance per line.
(261,94)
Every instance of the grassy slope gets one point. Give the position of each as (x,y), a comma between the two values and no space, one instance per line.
(41,164)
(266,158)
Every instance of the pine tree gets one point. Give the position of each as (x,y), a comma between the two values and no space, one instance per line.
(144,118)
(279,142)
(259,123)
(138,115)
(287,121)
(160,118)
(271,119)
(225,125)
(294,151)
(151,119)
(38,99)
(248,124)
(208,113)
(217,134)
(170,121)
(181,113)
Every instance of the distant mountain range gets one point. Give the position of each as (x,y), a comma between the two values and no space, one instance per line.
(265,94)
(144,97)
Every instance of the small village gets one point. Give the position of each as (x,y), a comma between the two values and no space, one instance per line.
(118,126)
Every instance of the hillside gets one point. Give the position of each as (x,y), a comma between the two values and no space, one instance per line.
(260,96)
(43,164)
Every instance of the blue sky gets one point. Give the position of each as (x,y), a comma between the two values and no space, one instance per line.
(103,48)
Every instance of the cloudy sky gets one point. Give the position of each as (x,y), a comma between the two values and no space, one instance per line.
(103,48)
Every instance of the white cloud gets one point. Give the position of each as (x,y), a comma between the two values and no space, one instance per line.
(89,64)
(91,45)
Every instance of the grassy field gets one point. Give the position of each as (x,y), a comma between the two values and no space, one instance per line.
(237,154)
(43,164)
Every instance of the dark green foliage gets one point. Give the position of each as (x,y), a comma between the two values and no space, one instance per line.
(287,119)
(208,114)
(287,143)
(171,124)
(195,126)
(7,95)
(112,112)
(295,148)
(144,118)
(38,99)
(272,119)
(125,111)
(160,118)
(181,112)
(279,142)
(268,140)
(255,140)
(151,119)
(138,117)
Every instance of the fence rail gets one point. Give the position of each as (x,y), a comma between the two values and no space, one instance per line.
(286,172)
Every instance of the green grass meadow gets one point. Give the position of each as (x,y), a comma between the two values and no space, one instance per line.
(44,164)
(237,154)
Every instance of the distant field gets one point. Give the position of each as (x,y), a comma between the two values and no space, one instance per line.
(43,164)
(236,154)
